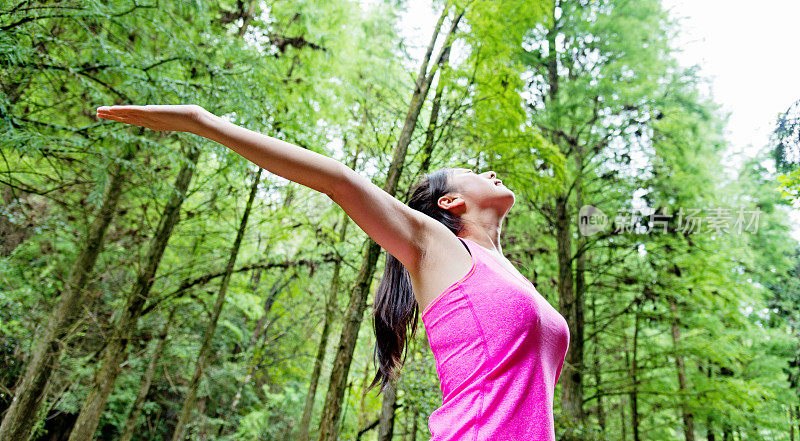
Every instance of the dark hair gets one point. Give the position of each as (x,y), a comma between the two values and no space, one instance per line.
(395,306)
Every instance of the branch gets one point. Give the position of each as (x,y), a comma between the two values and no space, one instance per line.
(202,280)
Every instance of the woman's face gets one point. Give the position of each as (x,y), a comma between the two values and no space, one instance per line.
(482,190)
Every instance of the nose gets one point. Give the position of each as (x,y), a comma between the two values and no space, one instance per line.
(491,174)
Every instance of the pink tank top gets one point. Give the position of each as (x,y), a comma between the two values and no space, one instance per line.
(499,348)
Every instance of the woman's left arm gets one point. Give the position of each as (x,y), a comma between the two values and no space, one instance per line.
(402,231)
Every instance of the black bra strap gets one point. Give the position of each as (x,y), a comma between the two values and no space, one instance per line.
(465,245)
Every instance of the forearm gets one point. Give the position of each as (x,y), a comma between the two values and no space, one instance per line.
(287,160)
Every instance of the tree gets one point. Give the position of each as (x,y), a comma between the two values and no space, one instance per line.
(786,138)
(594,68)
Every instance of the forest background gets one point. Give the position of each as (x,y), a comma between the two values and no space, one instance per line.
(155,285)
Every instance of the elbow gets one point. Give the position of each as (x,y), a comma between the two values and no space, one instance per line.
(341,181)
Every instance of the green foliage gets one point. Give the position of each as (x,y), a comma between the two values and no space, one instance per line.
(554,96)
(786,138)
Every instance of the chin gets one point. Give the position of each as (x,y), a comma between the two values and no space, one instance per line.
(509,200)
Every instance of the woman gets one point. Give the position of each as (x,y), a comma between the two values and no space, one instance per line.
(499,346)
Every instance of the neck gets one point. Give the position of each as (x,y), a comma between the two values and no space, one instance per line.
(484,230)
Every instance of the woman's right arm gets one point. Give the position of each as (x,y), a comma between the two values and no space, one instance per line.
(399,229)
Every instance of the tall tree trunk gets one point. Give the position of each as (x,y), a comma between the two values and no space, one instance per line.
(575,352)
(208,336)
(570,300)
(248,13)
(727,434)
(727,430)
(571,384)
(358,299)
(330,310)
(115,352)
(363,412)
(688,418)
(338,382)
(601,415)
(144,387)
(406,422)
(552,57)
(430,134)
(634,373)
(386,427)
(623,423)
(414,419)
(29,394)
(709,421)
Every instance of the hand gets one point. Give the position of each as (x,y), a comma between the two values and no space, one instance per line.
(183,118)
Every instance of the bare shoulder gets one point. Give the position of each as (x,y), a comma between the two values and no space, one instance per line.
(444,261)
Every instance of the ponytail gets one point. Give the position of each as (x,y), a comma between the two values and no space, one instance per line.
(395,307)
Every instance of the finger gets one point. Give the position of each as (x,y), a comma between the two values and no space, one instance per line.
(108,115)
(121,107)
(118,118)
(121,110)
(117,115)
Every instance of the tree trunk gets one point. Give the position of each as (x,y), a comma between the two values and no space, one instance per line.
(386,427)
(115,352)
(208,336)
(579,303)
(144,388)
(601,415)
(727,430)
(552,57)
(357,303)
(571,384)
(634,373)
(363,412)
(726,433)
(570,299)
(433,121)
(366,429)
(623,423)
(21,415)
(688,418)
(414,422)
(330,310)
(341,366)
(406,422)
(710,436)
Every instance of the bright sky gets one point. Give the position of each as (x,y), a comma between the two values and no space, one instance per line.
(748,51)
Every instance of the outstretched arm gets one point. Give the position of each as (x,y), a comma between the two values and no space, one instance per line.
(399,229)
